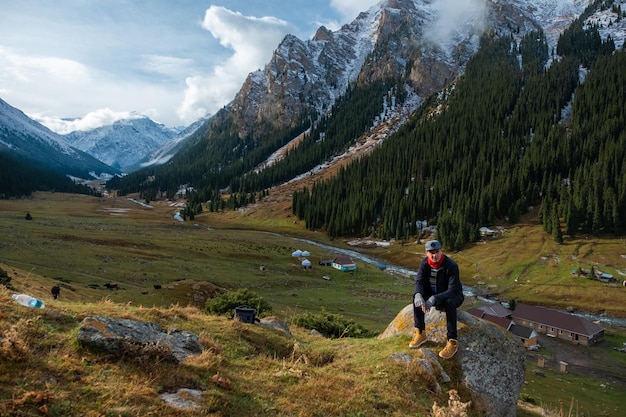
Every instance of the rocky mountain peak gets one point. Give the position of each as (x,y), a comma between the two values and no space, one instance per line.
(323,34)
(391,40)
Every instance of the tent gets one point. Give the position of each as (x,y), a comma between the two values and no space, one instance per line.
(306,253)
(297,253)
(306,264)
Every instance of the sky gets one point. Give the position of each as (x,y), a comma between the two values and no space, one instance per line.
(81,64)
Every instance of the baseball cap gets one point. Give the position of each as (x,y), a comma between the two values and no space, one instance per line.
(433,245)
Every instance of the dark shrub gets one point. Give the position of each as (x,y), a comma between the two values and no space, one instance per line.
(225,303)
(330,325)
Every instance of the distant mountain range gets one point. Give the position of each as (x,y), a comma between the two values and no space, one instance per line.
(29,141)
(122,147)
(123,143)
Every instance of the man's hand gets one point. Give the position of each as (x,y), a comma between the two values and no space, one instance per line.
(418,300)
(428,304)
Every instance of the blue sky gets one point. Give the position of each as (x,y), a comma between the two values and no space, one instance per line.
(172,60)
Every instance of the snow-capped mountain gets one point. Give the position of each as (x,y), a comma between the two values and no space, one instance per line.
(425,42)
(123,143)
(26,139)
(166,151)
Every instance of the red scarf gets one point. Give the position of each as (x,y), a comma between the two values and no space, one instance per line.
(436,265)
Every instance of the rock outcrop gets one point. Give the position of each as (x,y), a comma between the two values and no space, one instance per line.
(123,337)
(492,361)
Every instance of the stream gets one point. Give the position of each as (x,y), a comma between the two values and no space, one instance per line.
(467,290)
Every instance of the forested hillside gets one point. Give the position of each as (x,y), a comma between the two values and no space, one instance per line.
(498,142)
(527,127)
(19,179)
(223,160)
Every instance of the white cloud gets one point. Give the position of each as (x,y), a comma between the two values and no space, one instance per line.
(455,15)
(92,120)
(252,41)
(63,85)
(350,9)
(23,68)
(166,65)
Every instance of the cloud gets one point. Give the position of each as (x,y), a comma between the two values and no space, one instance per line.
(350,9)
(23,68)
(166,65)
(62,85)
(92,120)
(454,16)
(252,41)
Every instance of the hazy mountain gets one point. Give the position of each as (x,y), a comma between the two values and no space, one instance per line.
(123,143)
(25,139)
(167,150)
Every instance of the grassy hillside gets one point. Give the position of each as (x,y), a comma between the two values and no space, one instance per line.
(263,372)
(83,243)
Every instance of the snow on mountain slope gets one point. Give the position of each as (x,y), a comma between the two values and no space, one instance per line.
(610,24)
(166,151)
(124,142)
(14,120)
(553,16)
(26,139)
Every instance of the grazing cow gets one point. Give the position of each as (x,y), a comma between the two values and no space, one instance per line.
(111,287)
(56,290)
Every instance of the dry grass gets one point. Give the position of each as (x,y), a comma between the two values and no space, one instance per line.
(244,370)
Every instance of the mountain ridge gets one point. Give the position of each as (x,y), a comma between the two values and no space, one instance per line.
(26,139)
(123,143)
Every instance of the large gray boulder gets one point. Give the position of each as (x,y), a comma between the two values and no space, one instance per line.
(491,359)
(124,337)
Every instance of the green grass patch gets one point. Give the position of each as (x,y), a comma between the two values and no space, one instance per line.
(576,395)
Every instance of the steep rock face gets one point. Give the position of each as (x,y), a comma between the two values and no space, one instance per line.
(394,39)
(491,359)
(419,43)
(302,77)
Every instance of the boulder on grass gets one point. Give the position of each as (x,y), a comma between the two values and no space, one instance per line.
(491,359)
(132,338)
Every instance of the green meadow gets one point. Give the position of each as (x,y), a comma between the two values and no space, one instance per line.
(84,244)
(162,266)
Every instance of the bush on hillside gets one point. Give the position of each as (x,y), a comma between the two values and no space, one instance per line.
(225,303)
(330,325)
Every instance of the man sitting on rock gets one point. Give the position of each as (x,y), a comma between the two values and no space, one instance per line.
(437,285)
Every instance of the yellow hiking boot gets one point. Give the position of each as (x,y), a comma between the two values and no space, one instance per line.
(450,349)
(418,339)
